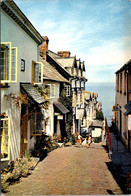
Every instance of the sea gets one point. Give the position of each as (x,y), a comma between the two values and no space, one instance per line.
(106,95)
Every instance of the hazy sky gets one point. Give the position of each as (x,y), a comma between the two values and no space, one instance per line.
(96,31)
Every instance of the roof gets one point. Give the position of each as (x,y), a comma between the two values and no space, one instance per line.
(51,73)
(128,108)
(60,107)
(32,93)
(66,62)
(18,16)
(54,56)
(97,123)
(125,66)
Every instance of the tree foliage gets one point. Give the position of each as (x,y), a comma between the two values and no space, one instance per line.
(67,102)
(99,115)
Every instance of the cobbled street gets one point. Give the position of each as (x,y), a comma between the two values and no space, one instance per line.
(70,171)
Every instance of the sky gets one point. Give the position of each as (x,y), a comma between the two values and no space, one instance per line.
(96,31)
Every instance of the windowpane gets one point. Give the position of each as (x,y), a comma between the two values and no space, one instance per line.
(5,62)
(67,90)
(53,90)
(36,123)
(4,138)
(37,72)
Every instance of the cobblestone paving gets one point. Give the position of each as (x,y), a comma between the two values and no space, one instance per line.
(70,171)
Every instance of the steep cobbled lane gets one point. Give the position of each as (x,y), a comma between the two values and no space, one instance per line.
(70,171)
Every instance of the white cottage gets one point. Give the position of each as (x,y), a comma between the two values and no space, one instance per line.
(19,65)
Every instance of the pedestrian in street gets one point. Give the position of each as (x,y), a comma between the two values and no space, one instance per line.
(79,138)
(89,140)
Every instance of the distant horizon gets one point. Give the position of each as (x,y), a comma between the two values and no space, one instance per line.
(100,83)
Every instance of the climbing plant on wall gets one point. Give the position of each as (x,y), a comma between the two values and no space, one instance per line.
(43,92)
(67,102)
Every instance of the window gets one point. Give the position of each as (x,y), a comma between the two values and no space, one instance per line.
(125,82)
(80,97)
(8,63)
(22,65)
(5,128)
(50,90)
(35,123)
(78,84)
(121,83)
(67,90)
(37,72)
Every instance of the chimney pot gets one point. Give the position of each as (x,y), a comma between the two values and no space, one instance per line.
(64,53)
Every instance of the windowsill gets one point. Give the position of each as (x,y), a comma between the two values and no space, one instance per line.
(5,85)
(5,159)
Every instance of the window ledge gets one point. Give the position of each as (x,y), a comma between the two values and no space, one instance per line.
(4,85)
(5,159)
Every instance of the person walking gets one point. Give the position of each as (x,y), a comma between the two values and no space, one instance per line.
(89,140)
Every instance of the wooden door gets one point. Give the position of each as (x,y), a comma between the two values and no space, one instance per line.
(24,134)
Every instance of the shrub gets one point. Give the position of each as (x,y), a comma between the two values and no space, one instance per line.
(19,167)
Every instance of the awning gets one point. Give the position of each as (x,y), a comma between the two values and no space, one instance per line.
(32,93)
(128,108)
(60,107)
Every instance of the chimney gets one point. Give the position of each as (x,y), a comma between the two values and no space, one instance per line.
(64,53)
(44,47)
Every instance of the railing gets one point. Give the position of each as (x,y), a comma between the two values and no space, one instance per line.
(109,138)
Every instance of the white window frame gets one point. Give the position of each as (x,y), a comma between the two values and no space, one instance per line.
(6,119)
(67,90)
(9,80)
(52,90)
(40,72)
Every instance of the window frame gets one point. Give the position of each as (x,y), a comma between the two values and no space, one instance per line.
(33,63)
(50,90)
(31,131)
(67,90)
(9,74)
(6,119)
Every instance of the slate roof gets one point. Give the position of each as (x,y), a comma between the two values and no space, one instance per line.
(54,56)
(128,108)
(60,107)
(97,123)
(51,73)
(32,93)
(66,62)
